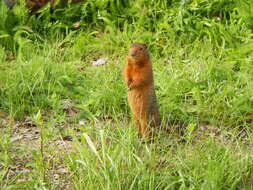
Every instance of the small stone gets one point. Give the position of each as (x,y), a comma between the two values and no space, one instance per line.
(17,138)
(82,122)
(67,138)
(100,61)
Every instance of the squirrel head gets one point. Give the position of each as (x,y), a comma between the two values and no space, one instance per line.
(138,53)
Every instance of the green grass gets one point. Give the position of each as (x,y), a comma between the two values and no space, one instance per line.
(202,60)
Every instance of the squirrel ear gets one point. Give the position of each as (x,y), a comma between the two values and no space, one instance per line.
(145,46)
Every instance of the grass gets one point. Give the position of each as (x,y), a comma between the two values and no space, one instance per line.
(66,124)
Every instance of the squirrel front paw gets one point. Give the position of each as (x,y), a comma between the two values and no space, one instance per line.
(129,86)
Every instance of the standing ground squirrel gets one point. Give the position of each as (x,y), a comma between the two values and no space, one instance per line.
(138,76)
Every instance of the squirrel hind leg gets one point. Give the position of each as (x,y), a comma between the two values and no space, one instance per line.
(143,125)
(143,128)
(137,124)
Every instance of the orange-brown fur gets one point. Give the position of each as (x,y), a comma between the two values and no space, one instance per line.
(138,77)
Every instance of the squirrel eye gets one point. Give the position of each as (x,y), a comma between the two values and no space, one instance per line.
(141,48)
